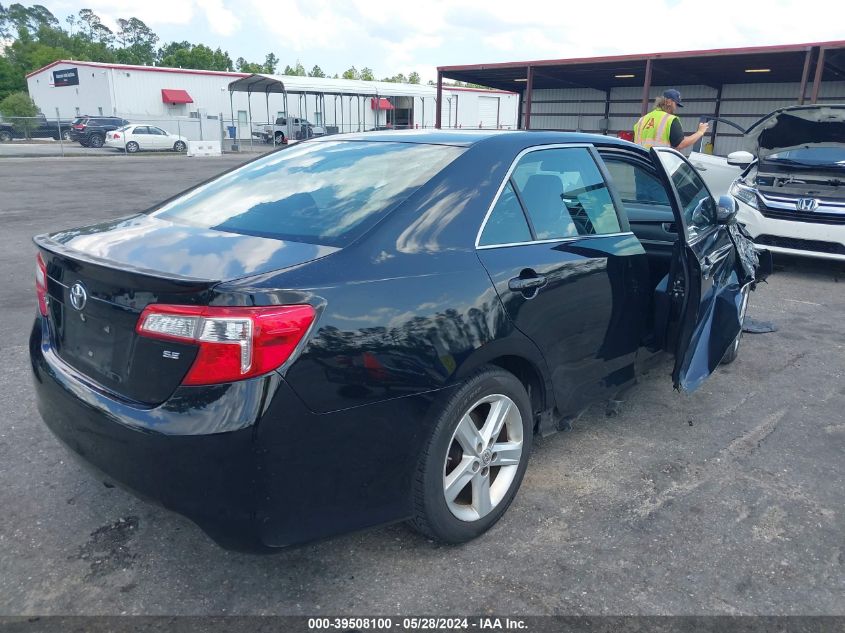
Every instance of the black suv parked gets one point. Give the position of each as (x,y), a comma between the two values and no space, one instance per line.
(91,131)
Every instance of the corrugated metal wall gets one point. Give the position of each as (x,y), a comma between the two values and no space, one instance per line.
(583,109)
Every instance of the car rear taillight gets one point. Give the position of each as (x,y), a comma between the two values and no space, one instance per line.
(41,284)
(79,126)
(234,343)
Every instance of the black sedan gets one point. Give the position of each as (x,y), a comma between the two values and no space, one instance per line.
(368,329)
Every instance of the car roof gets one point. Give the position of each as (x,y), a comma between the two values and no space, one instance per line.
(467,138)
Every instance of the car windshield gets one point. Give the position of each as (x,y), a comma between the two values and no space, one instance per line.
(810,156)
(324,193)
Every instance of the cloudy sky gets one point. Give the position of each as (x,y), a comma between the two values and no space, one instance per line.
(392,37)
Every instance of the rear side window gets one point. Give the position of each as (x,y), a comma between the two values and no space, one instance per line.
(507,223)
(325,193)
(564,194)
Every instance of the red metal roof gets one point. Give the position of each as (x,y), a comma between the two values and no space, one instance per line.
(174,95)
(779,48)
(715,67)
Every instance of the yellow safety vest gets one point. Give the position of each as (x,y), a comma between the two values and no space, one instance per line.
(653,129)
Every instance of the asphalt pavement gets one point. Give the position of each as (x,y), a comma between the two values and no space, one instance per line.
(727,501)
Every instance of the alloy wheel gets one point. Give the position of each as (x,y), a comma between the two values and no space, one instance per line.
(483,457)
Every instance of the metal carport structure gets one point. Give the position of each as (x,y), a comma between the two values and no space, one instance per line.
(560,93)
(357,91)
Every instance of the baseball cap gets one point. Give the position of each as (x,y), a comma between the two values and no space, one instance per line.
(675,96)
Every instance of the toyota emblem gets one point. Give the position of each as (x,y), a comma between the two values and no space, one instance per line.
(78,296)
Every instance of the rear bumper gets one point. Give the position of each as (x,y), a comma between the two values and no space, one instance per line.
(808,239)
(204,475)
(247,462)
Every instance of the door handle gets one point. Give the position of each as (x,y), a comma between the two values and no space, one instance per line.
(520,284)
(699,167)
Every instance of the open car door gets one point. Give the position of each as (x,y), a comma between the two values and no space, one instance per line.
(701,303)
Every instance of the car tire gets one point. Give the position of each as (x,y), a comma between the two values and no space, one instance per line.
(279,139)
(179,146)
(5,136)
(459,490)
(95,140)
(65,136)
(132,147)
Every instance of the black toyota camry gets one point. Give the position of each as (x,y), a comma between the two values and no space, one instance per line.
(371,328)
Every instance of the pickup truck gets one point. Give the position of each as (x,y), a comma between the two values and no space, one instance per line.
(300,129)
(42,127)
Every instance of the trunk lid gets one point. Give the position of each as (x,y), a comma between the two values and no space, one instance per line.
(100,278)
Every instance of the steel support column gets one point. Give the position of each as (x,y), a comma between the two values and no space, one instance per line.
(817,81)
(529,93)
(438,107)
(646,88)
(805,75)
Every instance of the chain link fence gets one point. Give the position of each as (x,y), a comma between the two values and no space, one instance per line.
(239,131)
(104,135)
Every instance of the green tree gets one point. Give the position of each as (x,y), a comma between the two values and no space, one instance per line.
(316,72)
(352,73)
(271,63)
(414,78)
(296,71)
(397,79)
(19,104)
(90,21)
(32,18)
(248,67)
(367,74)
(200,56)
(137,41)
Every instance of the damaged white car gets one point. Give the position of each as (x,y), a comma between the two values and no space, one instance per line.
(791,195)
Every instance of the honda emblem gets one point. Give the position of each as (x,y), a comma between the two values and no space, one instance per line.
(807,204)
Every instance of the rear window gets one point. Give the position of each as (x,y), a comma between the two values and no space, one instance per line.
(328,192)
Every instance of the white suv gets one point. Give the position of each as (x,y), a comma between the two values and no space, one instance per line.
(792,195)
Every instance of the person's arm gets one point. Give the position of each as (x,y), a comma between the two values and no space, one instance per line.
(692,138)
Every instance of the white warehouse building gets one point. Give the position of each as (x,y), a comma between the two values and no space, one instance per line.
(199,104)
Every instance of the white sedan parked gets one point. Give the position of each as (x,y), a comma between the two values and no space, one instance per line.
(134,138)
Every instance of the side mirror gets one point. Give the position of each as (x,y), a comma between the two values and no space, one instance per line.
(740,159)
(726,210)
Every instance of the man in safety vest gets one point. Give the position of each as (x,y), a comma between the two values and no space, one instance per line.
(661,127)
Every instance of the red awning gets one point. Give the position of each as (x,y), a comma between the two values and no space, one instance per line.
(169,95)
(383,104)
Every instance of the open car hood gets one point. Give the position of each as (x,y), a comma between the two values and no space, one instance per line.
(797,126)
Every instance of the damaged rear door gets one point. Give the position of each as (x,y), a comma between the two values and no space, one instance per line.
(713,269)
